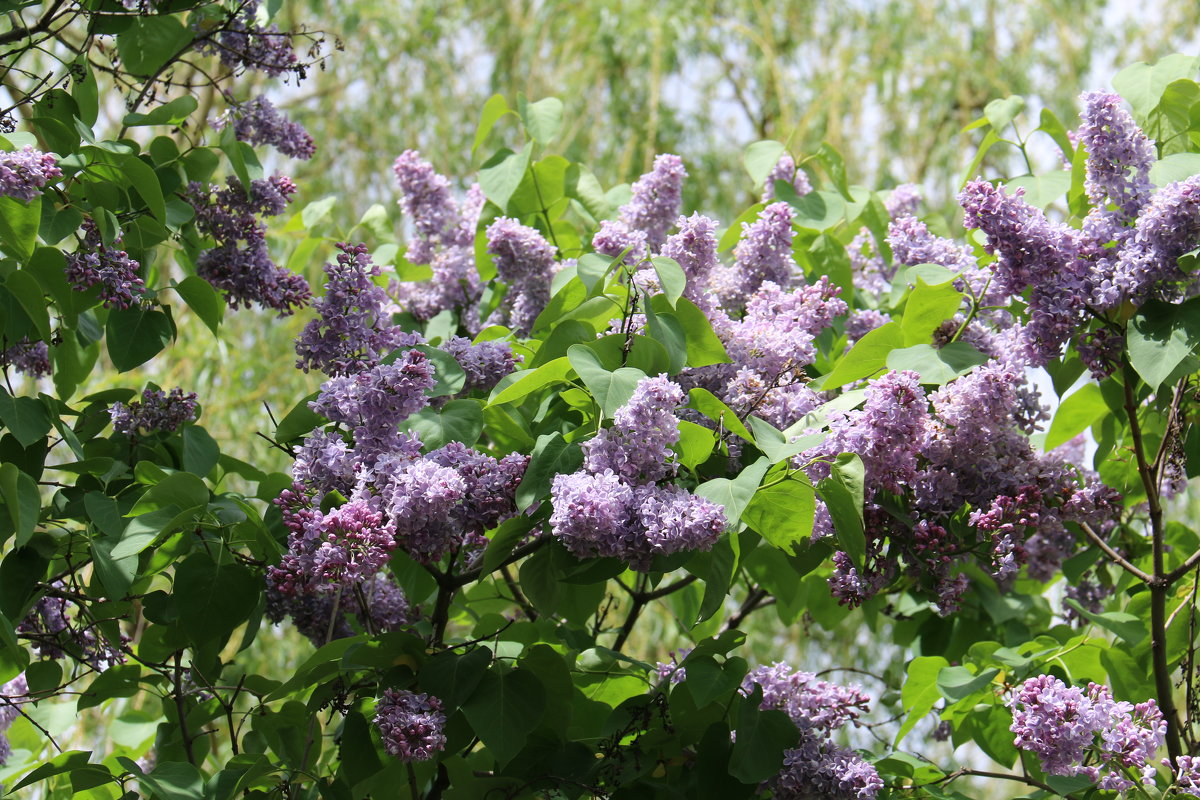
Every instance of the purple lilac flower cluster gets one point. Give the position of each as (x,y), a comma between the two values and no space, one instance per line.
(242,42)
(764,254)
(352,329)
(694,247)
(524,260)
(24,172)
(12,695)
(1064,726)
(156,411)
(28,358)
(240,264)
(98,264)
(411,725)
(816,767)
(872,274)
(259,122)
(485,363)
(377,606)
(1187,774)
(642,223)
(445,239)
(785,170)
(615,505)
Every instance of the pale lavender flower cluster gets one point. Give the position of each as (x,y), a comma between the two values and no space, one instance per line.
(12,695)
(656,200)
(244,43)
(426,198)
(785,170)
(98,264)
(1064,726)
(615,237)
(673,670)
(872,274)
(410,724)
(694,247)
(24,172)
(240,264)
(862,321)
(352,330)
(614,507)
(816,767)
(259,122)
(489,487)
(1168,227)
(156,411)
(484,363)
(763,254)
(524,260)
(1118,164)
(28,358)
(1187,774)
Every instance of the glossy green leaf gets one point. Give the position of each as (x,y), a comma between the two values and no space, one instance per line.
(920,691)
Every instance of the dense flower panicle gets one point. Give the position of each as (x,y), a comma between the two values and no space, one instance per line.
(1168,227)
(1063,725)
(12,696)
(247,44)
(903,201)
(352,544)
(426,199)
(454,284)
(1186,771)
(325,462)
(105,265)
(913,244)
(156,411)
(525,261)
(656,200)
(694,246)
(811,703)
(872,275)
(776,402)
(240,264)
(312,612)
(373,402)
(421,499)
(638,445)
(352,330)
(24,172)
(29,358)
(864,320)
(821,769)
(775,335)
(785,170)
(593,514)
(490,485)
(259,122)
(484,363)
(410,725)
(763,254)
(1119,157)
(616,237)
(674,520)
(1090,594)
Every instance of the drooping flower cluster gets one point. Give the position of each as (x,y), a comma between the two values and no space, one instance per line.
(12,695)
(242,42)
(259,122)
(325,616)
(615,507)
(1066,726)
(24,172)
(28,358)
(485,362)
(352,329)
(410,724)
(240,264)
(524,260)
(816,767)
(98,264)
(156,411)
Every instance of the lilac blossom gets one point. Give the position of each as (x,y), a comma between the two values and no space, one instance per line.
(411,725)
(157,411)
(259,122)
(489,486)
(616,237)
(325,462)
(820,768)
(484,363)
(426,199)
(1186,771)
(421,499)
(352,544)
(28,358)
(105,265)
(1118,163)
(1169,226)
(673,520)
(656,200)
(593,514)
(763,254)
(12,696)
(903,201)
(24,172)
(694,247)
(525,261)
(352,331)
(638,445)
(864,320)
(243,42)
(1064,725)
(785,170)
(811,703)
(673,670)
(240,264)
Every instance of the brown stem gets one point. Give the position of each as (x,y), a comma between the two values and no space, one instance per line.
(1113,554)
(181,709)
(41,26)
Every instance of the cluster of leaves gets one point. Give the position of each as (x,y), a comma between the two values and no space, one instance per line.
(158,542)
